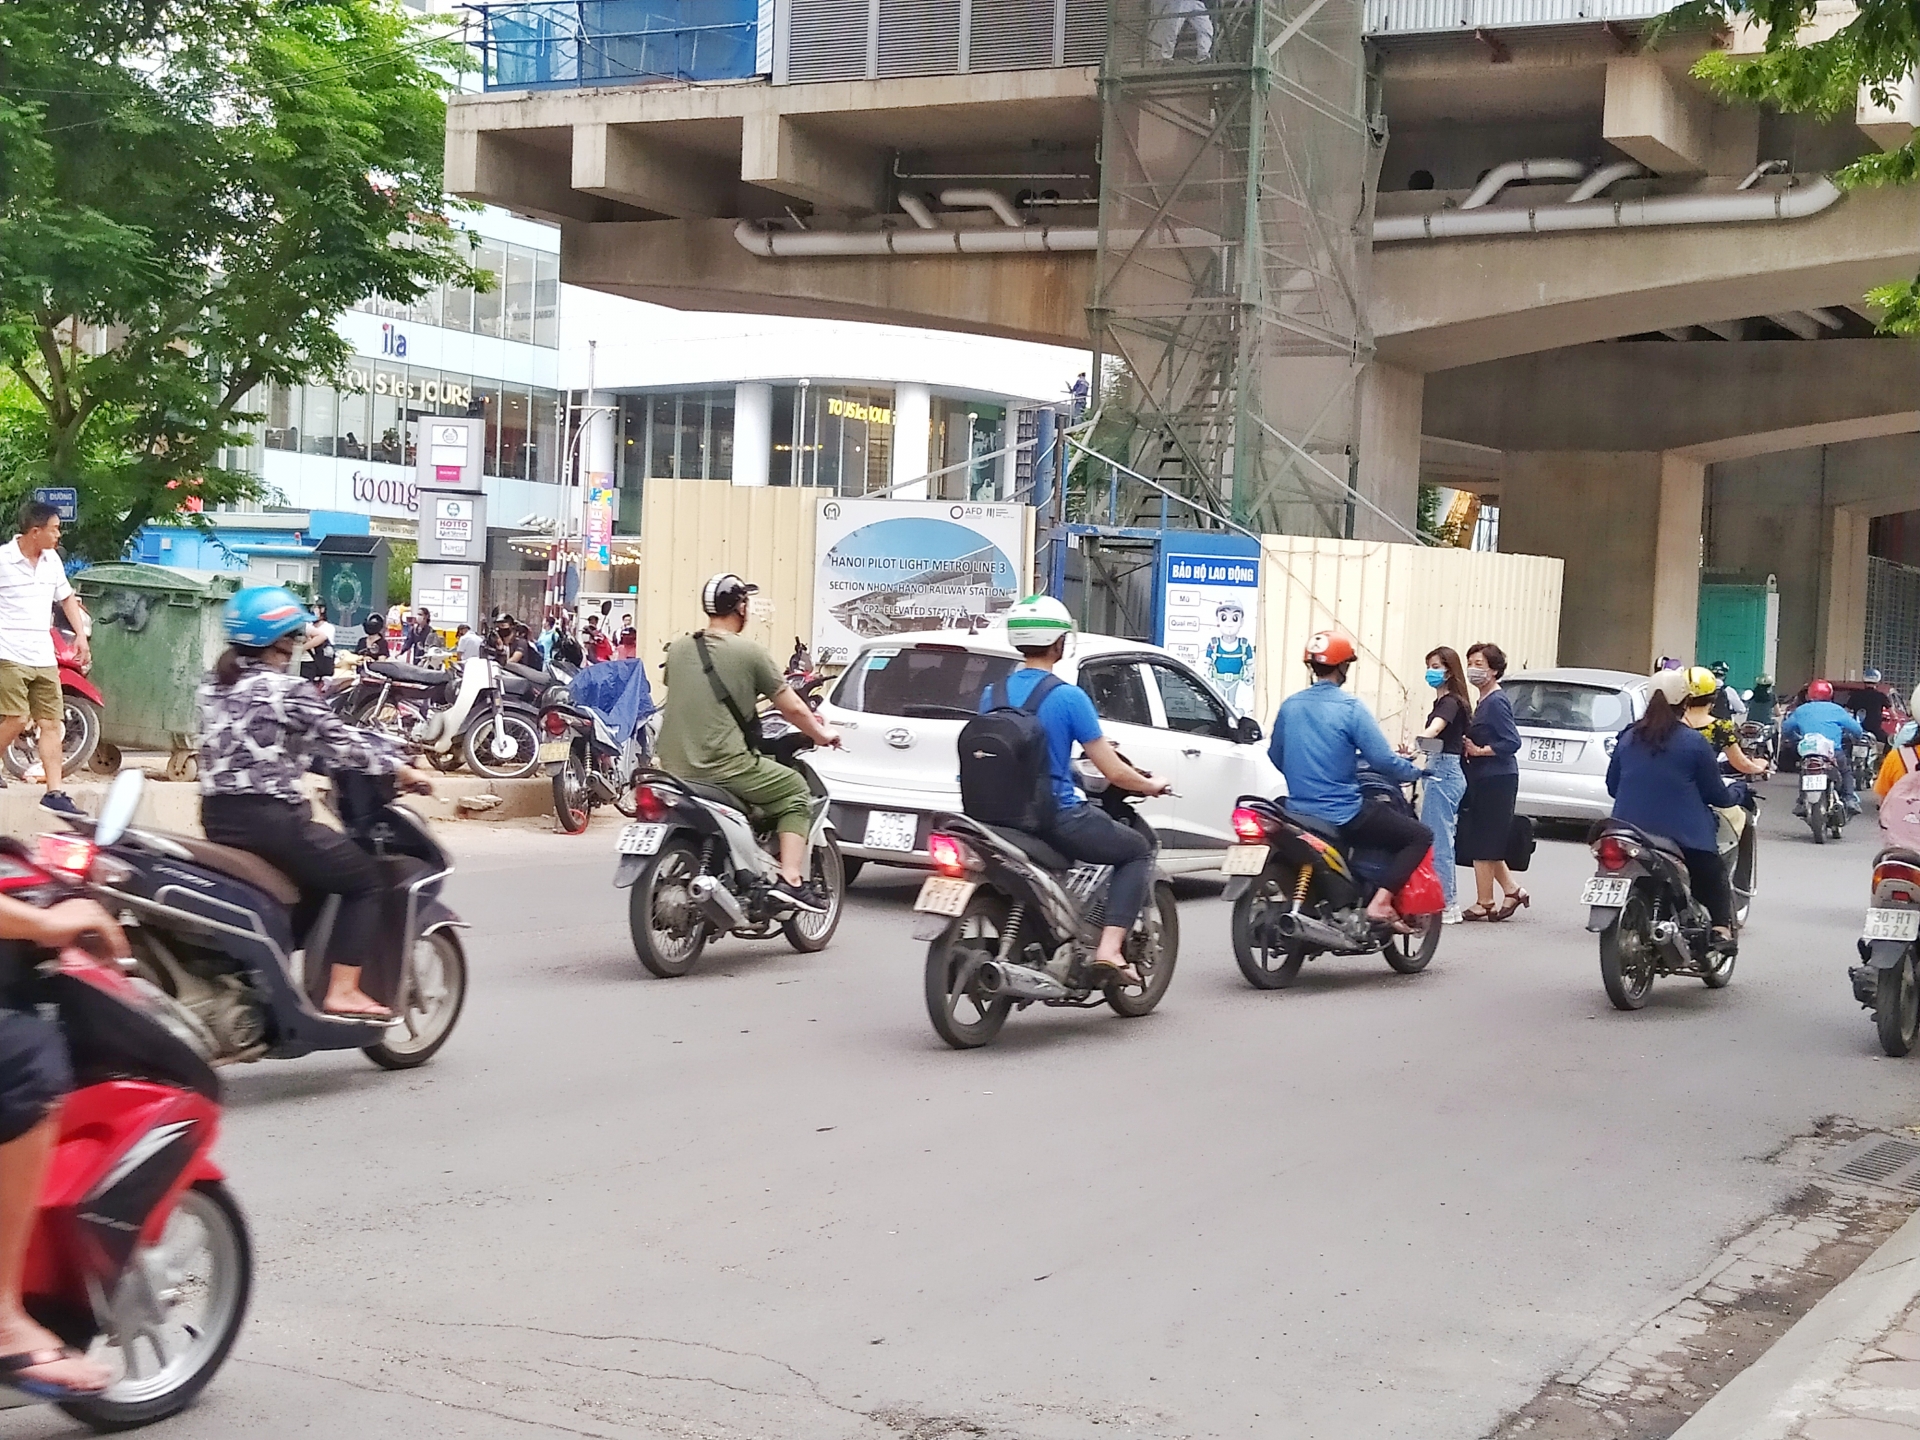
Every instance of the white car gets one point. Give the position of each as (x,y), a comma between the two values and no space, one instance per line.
(898,706)
(1567,721)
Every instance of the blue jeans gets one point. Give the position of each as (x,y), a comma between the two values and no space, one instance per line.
(1440,810)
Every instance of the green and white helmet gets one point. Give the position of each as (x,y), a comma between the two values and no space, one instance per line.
(1036,622)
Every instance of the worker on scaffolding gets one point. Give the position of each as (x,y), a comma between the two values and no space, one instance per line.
(1169,17)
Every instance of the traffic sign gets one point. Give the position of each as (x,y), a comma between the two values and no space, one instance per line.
(64,499)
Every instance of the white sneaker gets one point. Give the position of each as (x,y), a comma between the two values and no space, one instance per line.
(1450,915)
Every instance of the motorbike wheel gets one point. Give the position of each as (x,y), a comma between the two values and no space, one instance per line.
(808,933)
(1817,817)
(668,933)
(571,803)
(1896,1006)
(1265,967)
(203,1264)
(962,1018)
(476,746)
(1409,954)
(80,736)
(1153,955)
(1626,955)
(1745,872)
(438,994)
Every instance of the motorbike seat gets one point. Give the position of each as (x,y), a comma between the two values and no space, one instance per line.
(525,672)
(1662,843)
(1898,853)
(1034,848)
(1325,829)
(408,674)
(719,795)
(238,864)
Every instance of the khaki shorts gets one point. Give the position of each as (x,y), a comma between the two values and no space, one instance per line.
(30,690)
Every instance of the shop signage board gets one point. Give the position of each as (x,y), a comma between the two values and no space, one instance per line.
(600,506)
(1210,612)
(452,511)
(907,567)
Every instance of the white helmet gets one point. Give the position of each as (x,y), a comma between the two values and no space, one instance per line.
(1036,622)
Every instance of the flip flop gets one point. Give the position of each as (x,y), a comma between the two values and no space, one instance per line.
(12,1365)
(1123,974)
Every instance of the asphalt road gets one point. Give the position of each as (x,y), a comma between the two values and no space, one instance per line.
(766,1201)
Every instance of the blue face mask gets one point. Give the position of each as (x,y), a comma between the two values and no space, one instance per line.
(1436,678)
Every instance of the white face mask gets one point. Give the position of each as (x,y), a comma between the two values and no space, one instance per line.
(1478,674)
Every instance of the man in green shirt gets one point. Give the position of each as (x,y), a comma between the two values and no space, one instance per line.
(701,736)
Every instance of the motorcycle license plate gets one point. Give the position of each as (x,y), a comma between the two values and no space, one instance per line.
(1607,890)
(1892,925)
(642,839)
(552,750)
(940,895)
(1245,859)
(1812,784)
(890,830)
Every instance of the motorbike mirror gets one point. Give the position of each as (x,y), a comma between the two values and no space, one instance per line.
(116,811)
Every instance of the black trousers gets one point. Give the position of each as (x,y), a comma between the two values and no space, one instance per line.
(1379,826)
(320,860)
(1088,833)
(1707,874)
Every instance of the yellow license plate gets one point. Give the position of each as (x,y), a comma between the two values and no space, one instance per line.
(551,750)
(1245,859)
(940,895)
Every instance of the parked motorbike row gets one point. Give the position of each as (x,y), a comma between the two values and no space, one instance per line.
(485,715)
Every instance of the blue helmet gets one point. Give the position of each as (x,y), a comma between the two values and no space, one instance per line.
(259,616)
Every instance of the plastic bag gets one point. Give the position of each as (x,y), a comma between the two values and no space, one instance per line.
(1421,895)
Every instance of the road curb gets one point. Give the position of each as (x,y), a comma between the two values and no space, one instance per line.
(1791,1382)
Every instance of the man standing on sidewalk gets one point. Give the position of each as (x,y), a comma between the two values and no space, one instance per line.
(32,581)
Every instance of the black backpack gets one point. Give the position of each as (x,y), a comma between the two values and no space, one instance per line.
(1006,776)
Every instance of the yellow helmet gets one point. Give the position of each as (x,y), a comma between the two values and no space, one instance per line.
(1701,682)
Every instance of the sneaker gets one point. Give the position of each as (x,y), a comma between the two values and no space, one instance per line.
(60,803)
(1450,915)
(796,897)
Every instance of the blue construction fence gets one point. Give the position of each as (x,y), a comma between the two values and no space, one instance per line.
(566,44)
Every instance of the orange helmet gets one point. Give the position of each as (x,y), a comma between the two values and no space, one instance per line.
(1820,690)
(1329,647)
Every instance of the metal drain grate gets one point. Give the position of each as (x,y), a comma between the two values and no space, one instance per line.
(1881,1160)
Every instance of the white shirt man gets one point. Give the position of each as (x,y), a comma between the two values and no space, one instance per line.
(32,582)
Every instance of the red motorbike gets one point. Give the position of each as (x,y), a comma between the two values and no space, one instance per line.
(81,706)
(141,1257)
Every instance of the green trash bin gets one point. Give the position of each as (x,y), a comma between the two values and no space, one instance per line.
(156,633)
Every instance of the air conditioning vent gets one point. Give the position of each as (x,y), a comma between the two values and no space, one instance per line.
(827,40)
(1011,34)
(1086,32)
(919,37)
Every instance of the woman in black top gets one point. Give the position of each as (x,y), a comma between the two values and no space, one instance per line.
(1493,784)
(1444,739)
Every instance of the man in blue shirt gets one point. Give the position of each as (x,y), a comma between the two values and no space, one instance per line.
(1319,738)
(1038,627)
(1818,715)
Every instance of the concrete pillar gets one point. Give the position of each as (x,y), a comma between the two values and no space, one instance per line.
(752,432)
(1005,473)
(1843,595)
(912,428)
(1627,524)
(1388,438)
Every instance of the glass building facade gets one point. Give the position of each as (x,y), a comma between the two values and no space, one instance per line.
(523,303)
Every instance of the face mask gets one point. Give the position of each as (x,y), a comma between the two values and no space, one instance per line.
(1479,674)
(1436,679)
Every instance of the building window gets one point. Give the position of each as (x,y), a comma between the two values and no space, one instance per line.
(546,299)
(519,295)
(489,306)
(524,303)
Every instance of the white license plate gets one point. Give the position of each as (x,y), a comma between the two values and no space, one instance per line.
(1608,890)
(940,895)
(1813,783)
(1245,859)
(1892,925)
(642,839)
(1546,752)
(890,830)
(551,750)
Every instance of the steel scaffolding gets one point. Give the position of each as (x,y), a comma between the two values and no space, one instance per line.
(1236,189)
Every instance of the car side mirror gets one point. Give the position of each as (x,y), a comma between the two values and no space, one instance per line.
(1247,731)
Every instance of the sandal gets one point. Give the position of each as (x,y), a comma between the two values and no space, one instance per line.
(1518,900)
(1123,974)
(373,1017)
(12,1365)
(1478,912)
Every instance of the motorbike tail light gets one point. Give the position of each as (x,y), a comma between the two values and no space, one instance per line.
(950,856)
(71,854)
(1248,825)
(554,723)
(1613,853)
(650,804)
(1898,872)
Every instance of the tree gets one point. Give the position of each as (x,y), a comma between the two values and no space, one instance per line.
(1807,67)
(190,192)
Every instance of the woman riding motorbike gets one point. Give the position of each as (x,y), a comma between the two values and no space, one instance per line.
(262,728)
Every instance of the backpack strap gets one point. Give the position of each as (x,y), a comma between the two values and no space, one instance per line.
(747,732)
(1048,684)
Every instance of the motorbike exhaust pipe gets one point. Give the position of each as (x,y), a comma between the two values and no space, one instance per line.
(713,900)
(1309,931)
(1017,982)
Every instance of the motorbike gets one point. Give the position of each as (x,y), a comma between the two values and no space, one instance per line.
(803,676)
(1012,922)
(1299,892)
(1886,980)
(1759,739)
(81,707)
(1641,906)
(1864,756)
(591,761)
(233,943)
(1820,802)
(141,1256)
(484,715)
(697,866)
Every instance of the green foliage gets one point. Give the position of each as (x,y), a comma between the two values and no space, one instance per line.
(190,191)
(400,557)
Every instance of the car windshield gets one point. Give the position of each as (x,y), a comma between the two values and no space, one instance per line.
(921,680)
(1558,705)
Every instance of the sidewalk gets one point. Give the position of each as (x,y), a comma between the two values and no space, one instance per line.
(1849,1370)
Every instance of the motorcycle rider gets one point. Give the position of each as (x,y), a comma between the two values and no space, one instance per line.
(1701,711)
(1818,715)
(703,732)
(1319,738)
(1873,705)
(261,727)
(1726,704)
(1038,628)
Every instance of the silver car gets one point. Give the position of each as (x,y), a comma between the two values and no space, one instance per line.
(1567,721)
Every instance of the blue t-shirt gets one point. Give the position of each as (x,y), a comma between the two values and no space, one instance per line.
(1067,715)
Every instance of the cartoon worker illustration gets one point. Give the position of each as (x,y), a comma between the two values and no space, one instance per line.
(1230,657)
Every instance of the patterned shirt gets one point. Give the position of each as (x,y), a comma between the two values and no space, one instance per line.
(260,734)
